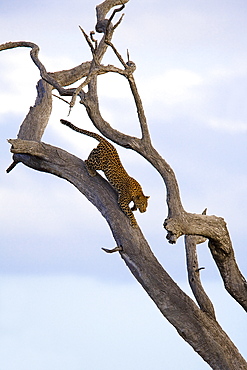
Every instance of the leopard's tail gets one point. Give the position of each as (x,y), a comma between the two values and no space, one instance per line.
(81,131)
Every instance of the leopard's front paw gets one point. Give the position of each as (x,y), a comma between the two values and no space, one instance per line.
(134,224)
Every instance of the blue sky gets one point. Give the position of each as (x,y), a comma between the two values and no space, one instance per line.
(192,77)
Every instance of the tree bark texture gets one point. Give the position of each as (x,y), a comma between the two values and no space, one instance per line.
(196,325)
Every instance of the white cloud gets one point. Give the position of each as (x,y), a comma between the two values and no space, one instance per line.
(172,87)
(19,77)
(228,125)
(38,205)
(114,86)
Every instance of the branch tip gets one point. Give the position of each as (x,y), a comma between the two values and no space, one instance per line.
(59,97)
(11,167)
(88,40)
(114,12)
(128,55)
(200,268)
(116,249)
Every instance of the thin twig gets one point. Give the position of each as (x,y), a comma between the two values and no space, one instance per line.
(117,53)
(59,97)
(108,25)
(88,40)
(12,166)
(114,12)
(116,249)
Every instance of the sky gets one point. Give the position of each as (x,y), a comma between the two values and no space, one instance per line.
(64,303)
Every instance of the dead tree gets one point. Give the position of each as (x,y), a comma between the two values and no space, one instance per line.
(195,323)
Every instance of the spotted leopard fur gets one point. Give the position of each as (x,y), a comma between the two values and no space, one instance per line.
(105,158)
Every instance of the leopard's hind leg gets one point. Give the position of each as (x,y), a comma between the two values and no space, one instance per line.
(93,162)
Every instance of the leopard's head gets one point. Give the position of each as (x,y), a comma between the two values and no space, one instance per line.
(140,202)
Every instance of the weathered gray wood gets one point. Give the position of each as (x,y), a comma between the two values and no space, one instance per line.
(194,276)
(196,326)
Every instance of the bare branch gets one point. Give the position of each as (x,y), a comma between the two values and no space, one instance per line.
(194,277)
(88,40)
(33,148)
(140,111)
(48,77)
(116,11)
(11,167)
(116,249)
(59,97)
(213,228)
(102,10)
(197,326)
(116,52)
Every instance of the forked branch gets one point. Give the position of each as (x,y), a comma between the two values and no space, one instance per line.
(178,222)
(197,326)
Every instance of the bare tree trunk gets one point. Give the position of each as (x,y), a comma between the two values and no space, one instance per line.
(196,325)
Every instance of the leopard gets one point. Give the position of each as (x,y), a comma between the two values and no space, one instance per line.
(105,158)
